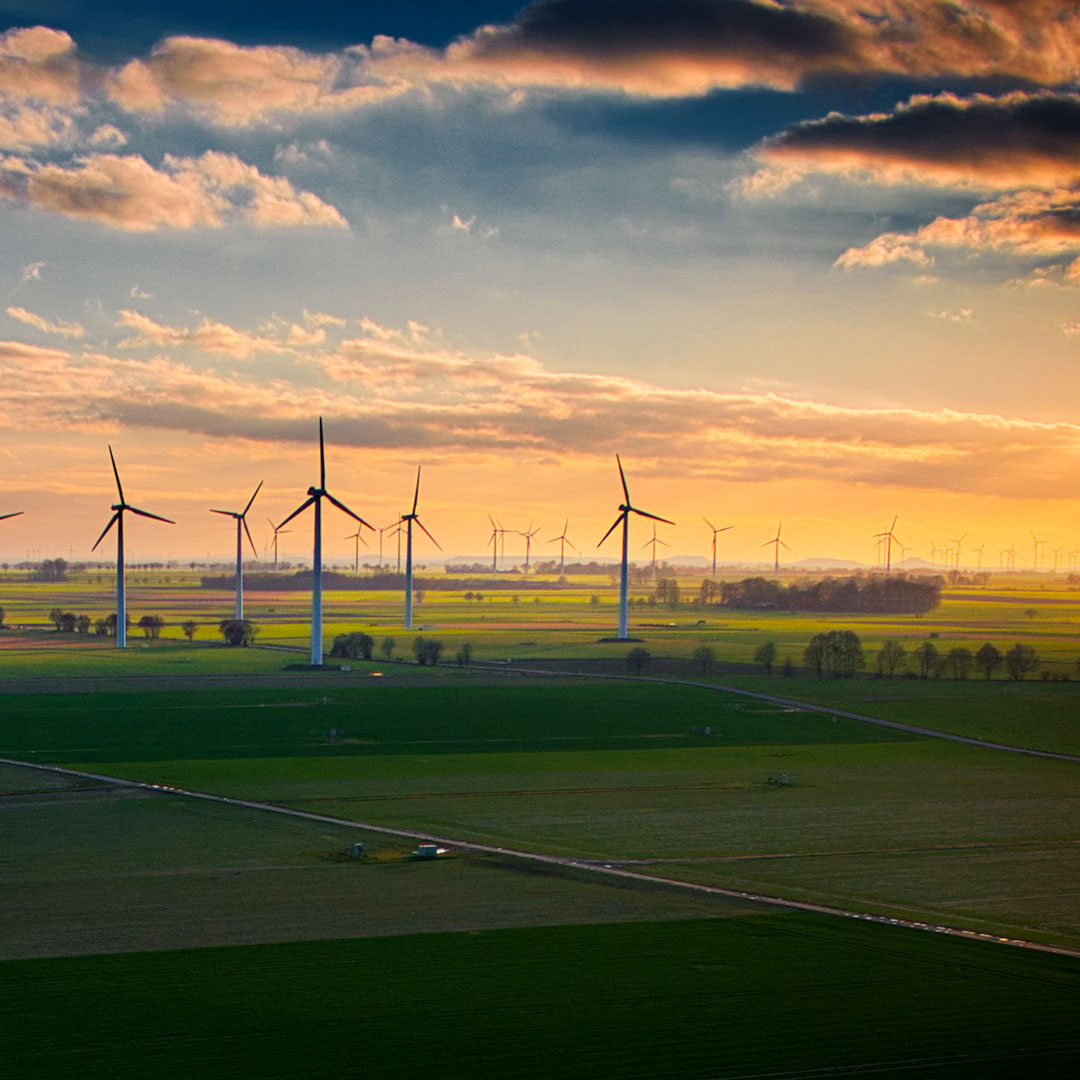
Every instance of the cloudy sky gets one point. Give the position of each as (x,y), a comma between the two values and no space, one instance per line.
(809,260)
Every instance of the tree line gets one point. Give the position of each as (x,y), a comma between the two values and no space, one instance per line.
(895,594)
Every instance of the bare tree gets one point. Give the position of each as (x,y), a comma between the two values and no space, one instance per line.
(988,660)
(958,662)
(890,657)
(766,656)
(1019,660)
(703,656)
(927,656)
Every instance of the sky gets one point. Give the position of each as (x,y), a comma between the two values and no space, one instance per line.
(804,261)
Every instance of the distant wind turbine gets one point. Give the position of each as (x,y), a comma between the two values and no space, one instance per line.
(407,520)
(777,545)
(958,541)
(241,523)
(276,531)
(652,543)
(625,510)
(887,538)
(496,530)
(315,498)
(715,531)
(979,551)
(359,538)
(563,540)
(529,533)
(1035,551)
(118,520)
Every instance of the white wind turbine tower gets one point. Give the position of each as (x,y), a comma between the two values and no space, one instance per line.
(529,533)
(276,531)
(625,510)
(1035,551)
(715,531)
(563,540)
(315,498)
(118,520)
(494,541)
(241,523)
(777,545)
(959,547)
(652,543)
(407,520)
(886,538)
(358,537)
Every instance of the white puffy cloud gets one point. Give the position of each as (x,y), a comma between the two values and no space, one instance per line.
(47,326)
(127,192)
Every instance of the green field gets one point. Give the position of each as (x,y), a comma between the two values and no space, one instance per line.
(780,995)
(488,965)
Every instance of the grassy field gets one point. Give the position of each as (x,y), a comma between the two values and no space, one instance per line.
(544,973)
(870,818)
(779,995)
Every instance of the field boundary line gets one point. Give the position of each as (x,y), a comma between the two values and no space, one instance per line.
(802,706)
(588,866)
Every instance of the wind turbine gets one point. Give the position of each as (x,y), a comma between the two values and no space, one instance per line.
(494,540)
(958,543)
(385,528)
(356,558)
(715,531)
(407,520)
(625,510)
(652,543)
(777,545)
(563,541)
(979,551)
(887,537)
(1035,551)
(315,498)
(118,520)
(276,531)
(935,551)
(528,534)
(241,523)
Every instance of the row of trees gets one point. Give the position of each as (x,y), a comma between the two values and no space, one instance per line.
(958,662)
(892,594)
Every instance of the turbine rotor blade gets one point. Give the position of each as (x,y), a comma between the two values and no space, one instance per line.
(147,514)
(784,546)
(112,521)
(427,534)
(619,519)
(299,510)
(341,506)
(116,473)
(622,477)
(248,532)
(416,494)
(227,513)
(710,524)
(252,499)
(652,517)
(5,516)
(322,458)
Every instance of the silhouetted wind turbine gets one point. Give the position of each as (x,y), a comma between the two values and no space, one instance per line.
(777,545)
(563,541)
(241,523)
(407,520)
(958,542)
(887,537)
(358,537)
(494,539)
(529,533)
(715,530)
(118,520)
(1035,551)
(979,551)
(625,510)
(276,531)
(652,543)
(385,528)
(315,498)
